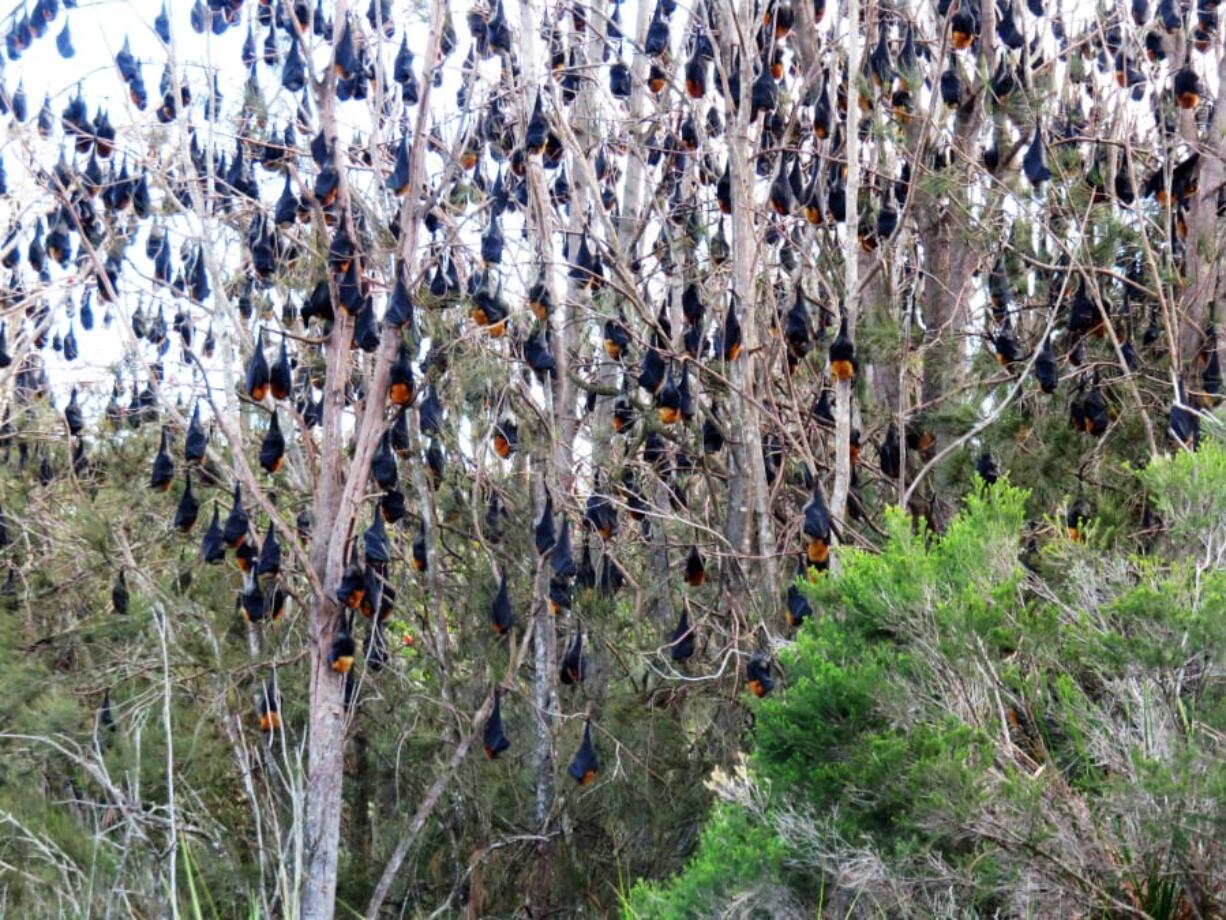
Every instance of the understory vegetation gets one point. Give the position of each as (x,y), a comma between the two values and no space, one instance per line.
(973,726)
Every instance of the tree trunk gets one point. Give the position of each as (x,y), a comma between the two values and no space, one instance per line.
(748,525)
(325,745)
(842,390)
(1203,246)
(325,772)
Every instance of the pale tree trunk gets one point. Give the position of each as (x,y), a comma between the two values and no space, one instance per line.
(1203,245)
(553,469)
(337,495)
(633,204)
(327,711)
(541,226)
(948,261)
(327,719)
(325,746)
(736,520)
(630,217)
(851,265)
(627,226)
(748,525)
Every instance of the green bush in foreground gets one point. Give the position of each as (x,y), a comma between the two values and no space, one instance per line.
(961,735)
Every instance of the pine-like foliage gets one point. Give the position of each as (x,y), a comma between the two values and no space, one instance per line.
(968,730)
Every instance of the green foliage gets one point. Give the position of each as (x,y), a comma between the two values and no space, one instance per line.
(830,739)
(958,717)
(734,852)
(1188,494)
(63,645)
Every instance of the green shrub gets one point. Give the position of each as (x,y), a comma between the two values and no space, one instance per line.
(958,734)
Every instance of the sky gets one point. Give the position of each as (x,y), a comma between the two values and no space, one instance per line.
(98,31)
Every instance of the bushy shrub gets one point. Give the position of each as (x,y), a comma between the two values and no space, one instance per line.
(963,735)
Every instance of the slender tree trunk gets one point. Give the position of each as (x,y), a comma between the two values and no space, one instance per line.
(325,771)
(1203,245)
(337,495)
(851,266)
(553,469)
(748,526)
(325,741)
(325,745)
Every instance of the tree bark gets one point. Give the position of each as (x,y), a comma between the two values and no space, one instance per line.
(1203,252)
(747,515)
(851,265)
(336,500)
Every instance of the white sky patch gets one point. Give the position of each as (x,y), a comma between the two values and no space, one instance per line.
(98,31)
